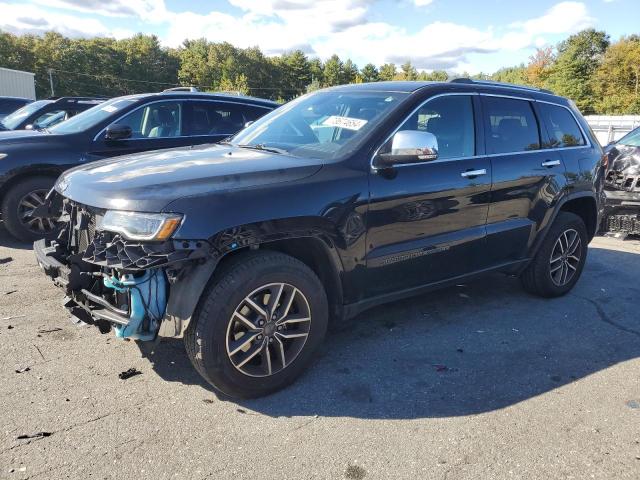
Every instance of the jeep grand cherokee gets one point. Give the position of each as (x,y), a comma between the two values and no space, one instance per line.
(338,201)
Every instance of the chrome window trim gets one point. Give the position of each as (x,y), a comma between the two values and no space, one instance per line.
(101,132)
(587,139)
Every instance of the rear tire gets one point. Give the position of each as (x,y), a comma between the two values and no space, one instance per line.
(558,264)
(17,203)
(275,350)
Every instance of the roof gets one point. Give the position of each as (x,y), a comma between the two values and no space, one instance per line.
(219,96)
(485,86)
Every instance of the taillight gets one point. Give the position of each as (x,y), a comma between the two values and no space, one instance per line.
(605,161)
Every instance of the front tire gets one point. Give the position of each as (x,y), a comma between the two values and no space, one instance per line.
(558,264)
(258,324)
(20,210)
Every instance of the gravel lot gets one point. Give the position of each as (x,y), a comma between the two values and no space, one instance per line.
(479,381)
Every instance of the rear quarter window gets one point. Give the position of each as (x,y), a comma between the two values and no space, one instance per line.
(562,128)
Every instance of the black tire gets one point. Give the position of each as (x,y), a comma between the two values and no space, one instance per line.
(206,337)
(11,204)
(538,277)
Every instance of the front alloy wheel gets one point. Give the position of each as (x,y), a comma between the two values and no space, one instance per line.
(258,323)
(268,329)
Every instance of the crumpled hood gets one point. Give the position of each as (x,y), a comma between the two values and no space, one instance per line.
(623,158)
(149,181)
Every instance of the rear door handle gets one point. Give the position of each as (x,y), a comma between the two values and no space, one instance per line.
(474,173)
(551,163)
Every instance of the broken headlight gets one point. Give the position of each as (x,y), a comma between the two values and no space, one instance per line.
(140,225)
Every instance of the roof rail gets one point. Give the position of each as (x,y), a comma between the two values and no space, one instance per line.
(182,89)
(493,83)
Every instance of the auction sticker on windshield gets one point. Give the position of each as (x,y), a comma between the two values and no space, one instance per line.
(345,122)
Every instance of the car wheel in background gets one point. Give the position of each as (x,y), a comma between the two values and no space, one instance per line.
(23,211)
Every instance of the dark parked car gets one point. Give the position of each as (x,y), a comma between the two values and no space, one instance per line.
(39,114)
(11,104)
(622,185)
(32,160)
(343,199)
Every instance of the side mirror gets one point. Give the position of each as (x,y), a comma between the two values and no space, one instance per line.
(409,146)
(28,127)
(118,131)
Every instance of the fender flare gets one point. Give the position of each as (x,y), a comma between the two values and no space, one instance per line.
(186,291)
(563,200)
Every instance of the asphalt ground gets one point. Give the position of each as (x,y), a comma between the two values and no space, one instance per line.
(479,381)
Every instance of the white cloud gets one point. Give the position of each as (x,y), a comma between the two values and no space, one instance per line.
(33,19)
(148,10)
(422,3)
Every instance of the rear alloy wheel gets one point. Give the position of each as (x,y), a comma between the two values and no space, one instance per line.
(560,259)
(258,324)
(24,212)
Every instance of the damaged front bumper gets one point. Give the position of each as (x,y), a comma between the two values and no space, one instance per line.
(621,212)
(141,290)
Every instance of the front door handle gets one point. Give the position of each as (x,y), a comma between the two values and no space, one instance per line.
(551,163)
(474,173)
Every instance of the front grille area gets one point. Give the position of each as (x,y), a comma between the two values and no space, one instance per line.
(621,181)
(629,224)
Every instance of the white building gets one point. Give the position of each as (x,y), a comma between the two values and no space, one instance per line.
(15,83)
(612,127)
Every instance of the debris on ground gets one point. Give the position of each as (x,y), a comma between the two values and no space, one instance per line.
(207,400)
(49,330)
(12,317)
(440,368)
(22,370)
(9,327)
(10,292)
(132,372)
(34,436)
(6,260)
(463,295)
(459,350)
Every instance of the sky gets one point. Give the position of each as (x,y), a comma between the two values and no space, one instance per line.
(454,35)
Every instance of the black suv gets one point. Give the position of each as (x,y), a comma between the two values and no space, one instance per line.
(47,113)
(343,199)
(31,160)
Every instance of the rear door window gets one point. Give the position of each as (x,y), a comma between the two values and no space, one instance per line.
(511,125)
(561,126)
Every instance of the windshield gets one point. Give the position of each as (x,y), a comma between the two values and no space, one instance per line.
(95,115)
(631,139)
(13,120)
(323,125)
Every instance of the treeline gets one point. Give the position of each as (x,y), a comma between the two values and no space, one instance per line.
(600,76)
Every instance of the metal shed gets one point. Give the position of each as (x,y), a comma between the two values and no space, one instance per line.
(15,83)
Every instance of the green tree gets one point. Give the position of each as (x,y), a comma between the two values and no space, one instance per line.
(577,60)
(387,72)
(333,71)
(369,73)
(408,71)
(349,72)
(616,83)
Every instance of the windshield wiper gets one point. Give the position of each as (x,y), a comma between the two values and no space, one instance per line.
(264,148)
